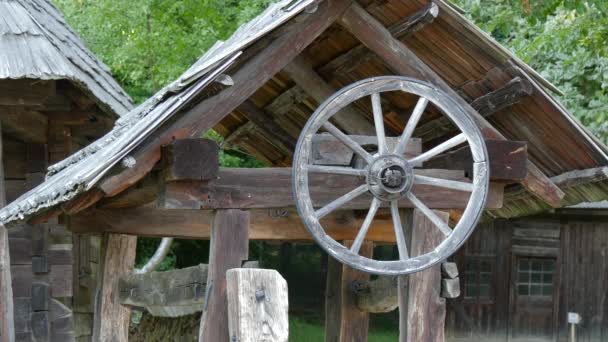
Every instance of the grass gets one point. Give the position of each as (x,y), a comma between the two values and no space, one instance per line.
(304,331)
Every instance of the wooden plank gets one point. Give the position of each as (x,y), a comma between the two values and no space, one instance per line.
(359,55)
(299,33)
(229,248)
(344,321)
(166,294)
(271,188)
(349,118)
(190,159)
(402,60)
(7,320)
(266,224)
(28,126)
(508,160)
(493,102)
(265,121)
(257,305)
(25,92)
(425,309)
(111,318)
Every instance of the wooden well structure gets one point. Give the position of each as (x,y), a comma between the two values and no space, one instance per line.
(152,174)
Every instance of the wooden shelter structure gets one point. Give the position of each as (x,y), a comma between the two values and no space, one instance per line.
(152,175)
(56,97)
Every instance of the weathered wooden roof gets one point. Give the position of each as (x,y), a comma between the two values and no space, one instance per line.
(37,43)
(466,58)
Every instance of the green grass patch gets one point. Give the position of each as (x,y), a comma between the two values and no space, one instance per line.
(303,331)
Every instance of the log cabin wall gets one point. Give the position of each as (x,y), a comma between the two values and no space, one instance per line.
(520,278)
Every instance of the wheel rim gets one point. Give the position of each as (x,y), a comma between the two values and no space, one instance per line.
(389,176)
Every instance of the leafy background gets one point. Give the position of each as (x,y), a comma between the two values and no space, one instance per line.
(148,43)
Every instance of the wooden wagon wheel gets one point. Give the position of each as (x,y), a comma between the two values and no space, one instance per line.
(389,176)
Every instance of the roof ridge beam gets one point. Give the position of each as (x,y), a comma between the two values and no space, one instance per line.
(404,61)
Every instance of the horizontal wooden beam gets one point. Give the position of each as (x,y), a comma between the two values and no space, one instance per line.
(25,92)
(265,224)
(241,188)
(508,160)
(405,62)
(27,126)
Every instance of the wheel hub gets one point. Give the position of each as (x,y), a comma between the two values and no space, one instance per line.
(390,177)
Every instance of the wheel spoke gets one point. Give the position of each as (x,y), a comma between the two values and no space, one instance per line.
(439,223)
(337,170)
(365,226)
(411,125)
(455,141)
(443,183)
(399,235)
(346,140)
(379,124)
(340,201)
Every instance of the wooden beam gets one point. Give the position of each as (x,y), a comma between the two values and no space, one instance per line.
(25,92)
(266,224)
(266,123)
(299,33)
(7,321)
(422,310)
(282,103)
(111,322)
(508,160)
(402,60)
(493,102)
(171,293)
(257,305)
(359,55)
(229,248)
(28,126)
(272,188)
(344,321)
(192,159)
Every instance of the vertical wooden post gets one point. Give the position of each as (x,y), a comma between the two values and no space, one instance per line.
(7,324)
(111,318)
(229,248)
(421,308)
(344,322)
(257,305)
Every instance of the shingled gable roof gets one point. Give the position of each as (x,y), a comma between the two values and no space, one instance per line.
(83,170)
(36,43)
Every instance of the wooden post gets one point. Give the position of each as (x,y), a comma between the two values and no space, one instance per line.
(229,248)
(257,305)
(344,321)
(421,308)
(7,324)
(111,318)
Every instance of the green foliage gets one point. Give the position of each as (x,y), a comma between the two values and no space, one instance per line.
(148,43)
(565,40)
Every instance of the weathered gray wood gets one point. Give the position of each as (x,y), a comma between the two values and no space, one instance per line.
(299,33)
(424,309)
(486,105)
(166,294)
(449,270)
(328,150)
(402,60)
(344,321)
(450,288)
(350,119)
(7,321)
(41,326)
(271,188)
(359,55)
(508,160)
(41,293)
(379,295)
(229,248)
(111,318)
(190,159)
(257,305)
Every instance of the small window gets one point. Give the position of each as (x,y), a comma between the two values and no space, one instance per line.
(478,278)
(535,277)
